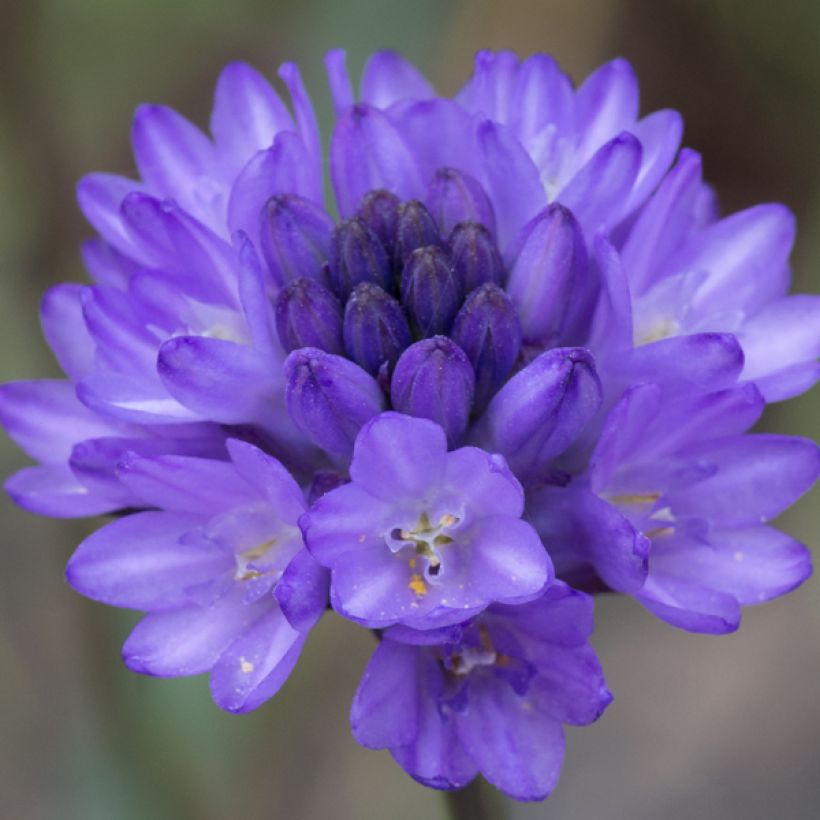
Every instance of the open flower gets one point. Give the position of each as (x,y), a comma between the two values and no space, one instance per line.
(220,567)
(488,696)
(422,536)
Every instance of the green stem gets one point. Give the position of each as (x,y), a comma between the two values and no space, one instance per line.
(477,801)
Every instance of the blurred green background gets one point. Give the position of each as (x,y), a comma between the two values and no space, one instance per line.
(701,727)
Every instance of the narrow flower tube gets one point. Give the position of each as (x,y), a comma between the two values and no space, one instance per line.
(542,409)
(430,291)
(549,264)
(434,380)
(380,210)
(294,235)
(375,328)
(488,331)
(357,255)
(329,398)
(454,196)
(308,315)
(475,256)
(415,228)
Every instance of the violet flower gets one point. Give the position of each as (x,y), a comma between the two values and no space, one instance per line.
(528,341)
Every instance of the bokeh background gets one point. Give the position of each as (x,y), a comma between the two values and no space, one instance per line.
(701,727)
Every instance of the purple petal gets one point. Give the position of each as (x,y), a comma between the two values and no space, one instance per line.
(570,685)
(599,192)
(61,317)
(220,380)
(302,591)
(510,178)
(757,478)
(388,77)
(576,524)
(745,254)
(702,361)
(784,333)
(397,457)
(690,606)
(172,154)
(100,197)
(516,746)
(605,104)
(247,114)
(142,562)
(486,480)
(543,96)
(385,708)
(189,640)
(257,663)
(507,559)
(489,91)
(660,135)
(46,420)
(367,152)
(284,168)
(54,491)
(184,484)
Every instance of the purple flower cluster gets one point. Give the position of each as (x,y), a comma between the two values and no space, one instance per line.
(526,355)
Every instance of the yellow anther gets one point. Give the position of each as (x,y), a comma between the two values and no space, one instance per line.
(447,520)
(417,585)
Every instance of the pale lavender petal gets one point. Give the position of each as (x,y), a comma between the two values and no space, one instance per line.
(388,77)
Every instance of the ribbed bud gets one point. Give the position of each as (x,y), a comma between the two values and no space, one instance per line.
(294,235)
(540,411)
(357,255)
(547,273)
(488,331)
(375,328)
(454,197)
(434,380)
(475,256)
(329,398)
(308,315)
(380,210)
(415,228)
(430,291)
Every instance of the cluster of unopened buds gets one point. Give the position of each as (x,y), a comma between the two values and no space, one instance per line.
(519,368)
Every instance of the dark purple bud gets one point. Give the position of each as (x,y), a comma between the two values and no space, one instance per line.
(375,328)
(547,274)
(308,315)
(488,331)
(380,210)
(434,380)
(475,256)
(329,398)
(357,255)
(541,410)
(294,235)
(415,228)
(430,291)
(454,197)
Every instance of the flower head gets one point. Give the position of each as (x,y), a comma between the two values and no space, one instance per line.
(529,339)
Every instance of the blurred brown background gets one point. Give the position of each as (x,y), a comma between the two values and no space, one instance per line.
(700,728)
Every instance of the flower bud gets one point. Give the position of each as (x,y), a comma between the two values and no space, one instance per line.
(541,410)
(430,291)
(294,235)
(380,210)
(329,398)
(475,256)
(415,228)
(357,255)
(548,270)
(487,330)
(454,197)
(375,328)
(434,380)
(308,315)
